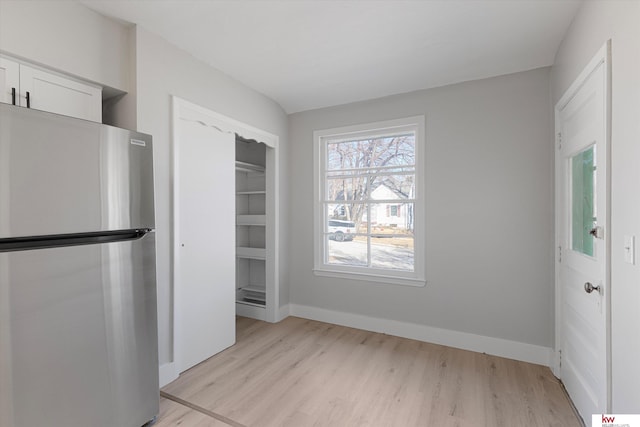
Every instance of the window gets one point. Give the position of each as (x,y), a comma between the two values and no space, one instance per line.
(369,206)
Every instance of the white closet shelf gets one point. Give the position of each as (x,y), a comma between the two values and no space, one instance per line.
(250,193)
(249,167)
(254,304)
(251,253)
(254,289)
(252,295)
(251,219)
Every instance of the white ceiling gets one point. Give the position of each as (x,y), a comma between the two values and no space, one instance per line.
(308,54)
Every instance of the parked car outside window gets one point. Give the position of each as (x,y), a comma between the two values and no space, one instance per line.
(340,230)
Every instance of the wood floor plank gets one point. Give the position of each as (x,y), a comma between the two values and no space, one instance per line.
(305,373)
(173,414)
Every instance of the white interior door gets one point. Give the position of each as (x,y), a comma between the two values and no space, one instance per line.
(582,231)
(204,239)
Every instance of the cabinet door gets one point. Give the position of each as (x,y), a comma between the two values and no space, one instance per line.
(57,94)
(9,79)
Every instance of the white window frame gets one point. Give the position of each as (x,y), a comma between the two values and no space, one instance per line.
(376,129)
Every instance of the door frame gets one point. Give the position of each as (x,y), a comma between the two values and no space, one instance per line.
(183,108)
(603,56)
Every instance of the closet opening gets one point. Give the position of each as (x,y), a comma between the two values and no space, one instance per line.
(254,218)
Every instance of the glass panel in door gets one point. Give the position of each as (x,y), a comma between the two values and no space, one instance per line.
(583,197)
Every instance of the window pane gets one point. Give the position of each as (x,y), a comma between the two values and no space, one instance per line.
(349,211)
(392,219)
(389,187)
(583,218)
(347,252)
(392,239)
(392,253)
(354,188)
(374,152)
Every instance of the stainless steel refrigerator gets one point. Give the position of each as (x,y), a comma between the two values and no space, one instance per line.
(78,327)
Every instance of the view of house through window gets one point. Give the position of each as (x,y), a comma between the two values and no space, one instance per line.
(368,201)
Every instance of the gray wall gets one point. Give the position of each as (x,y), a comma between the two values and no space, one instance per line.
(164,70)
(489,226)
(67,37)
(595,23)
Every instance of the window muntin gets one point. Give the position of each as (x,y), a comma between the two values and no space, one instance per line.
(368,178)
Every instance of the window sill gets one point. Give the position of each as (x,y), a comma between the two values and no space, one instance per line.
(390,280)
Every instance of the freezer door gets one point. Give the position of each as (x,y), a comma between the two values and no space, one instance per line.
(61,175)
(78,336)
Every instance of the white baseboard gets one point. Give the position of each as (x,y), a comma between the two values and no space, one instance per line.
(482,344)
(168,373)
(284,312)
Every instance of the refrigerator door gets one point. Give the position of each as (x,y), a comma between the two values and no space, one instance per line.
(60,175)
(78,335)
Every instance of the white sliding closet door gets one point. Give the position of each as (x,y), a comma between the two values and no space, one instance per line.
(204,239)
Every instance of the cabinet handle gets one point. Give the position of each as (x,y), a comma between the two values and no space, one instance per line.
(28,100)
(13,96)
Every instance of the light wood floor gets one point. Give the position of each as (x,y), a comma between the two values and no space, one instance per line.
(302,373)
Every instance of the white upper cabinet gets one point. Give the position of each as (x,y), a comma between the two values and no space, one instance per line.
(48,91)
(9,81)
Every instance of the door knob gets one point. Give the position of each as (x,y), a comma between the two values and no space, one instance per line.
(596,232)
(588,288)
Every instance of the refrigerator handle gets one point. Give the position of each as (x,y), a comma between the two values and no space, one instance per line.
(60,240)
(13,96)
(28,100)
